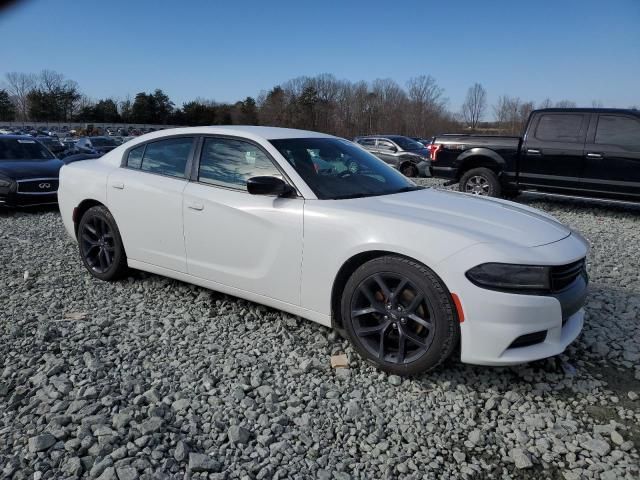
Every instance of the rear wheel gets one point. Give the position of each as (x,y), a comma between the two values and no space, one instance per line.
(399,316)
(480,181)
(100,245)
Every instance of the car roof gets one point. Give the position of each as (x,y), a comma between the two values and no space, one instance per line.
(588,110)
(249,131)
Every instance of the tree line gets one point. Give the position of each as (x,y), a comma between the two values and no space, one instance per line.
(323,102)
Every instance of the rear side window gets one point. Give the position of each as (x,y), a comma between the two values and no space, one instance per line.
(560,128)
(167,157)
(617,130)
(134,159)
(230,163)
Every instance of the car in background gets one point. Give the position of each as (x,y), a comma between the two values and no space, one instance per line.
(100,145)
(584,152)
(28,172)
(424,141)
(406,155)
(53,144)
(76,157)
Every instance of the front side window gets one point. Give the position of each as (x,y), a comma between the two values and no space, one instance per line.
(386,145)
(334,168)
(560,128)
(167,157)
(617,130)
(408,144)
(230,163)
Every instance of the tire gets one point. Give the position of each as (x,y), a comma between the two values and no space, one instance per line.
(409,170)
(100,245)
(392,297)
(481,181)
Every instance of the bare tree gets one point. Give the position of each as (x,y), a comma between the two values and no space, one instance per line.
(474,106)
(596,104)
(19,85)
(426,104)
(565,104)
(546,103)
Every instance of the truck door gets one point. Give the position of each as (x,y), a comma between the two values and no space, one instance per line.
(552,156)
(612,156)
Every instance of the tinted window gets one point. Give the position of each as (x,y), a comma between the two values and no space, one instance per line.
(102,142)
(407,144)
(616,130)
(367,142)
(230,163)
(167,157)
(385,145)
(134,160)
(22,149)
(334,168)
(560,128)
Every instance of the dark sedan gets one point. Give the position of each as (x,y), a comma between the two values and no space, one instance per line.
(28,172)
(95,145)
(53,144)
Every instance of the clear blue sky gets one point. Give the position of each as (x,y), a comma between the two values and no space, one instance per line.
(581,50)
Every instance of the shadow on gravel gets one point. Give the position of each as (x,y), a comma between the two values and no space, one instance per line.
(6,212)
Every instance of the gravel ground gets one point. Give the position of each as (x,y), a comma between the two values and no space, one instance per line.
(153,378)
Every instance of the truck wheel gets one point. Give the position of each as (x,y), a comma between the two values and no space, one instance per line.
(480,181)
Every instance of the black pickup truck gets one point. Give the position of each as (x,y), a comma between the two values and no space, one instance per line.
(589,152)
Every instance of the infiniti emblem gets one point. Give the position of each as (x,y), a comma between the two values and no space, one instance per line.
(44,185)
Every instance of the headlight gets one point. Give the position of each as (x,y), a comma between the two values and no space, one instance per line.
(5,182)
(507,277)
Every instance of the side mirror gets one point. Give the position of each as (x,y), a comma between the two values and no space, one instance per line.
(264,185)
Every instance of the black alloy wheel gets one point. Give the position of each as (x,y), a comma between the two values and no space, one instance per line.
(97,244)
(392,318)
(100,244)
(399,315)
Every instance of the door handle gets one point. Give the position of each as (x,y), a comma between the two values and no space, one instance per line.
(594,155)
(118,185)
(195,206)
(533,151)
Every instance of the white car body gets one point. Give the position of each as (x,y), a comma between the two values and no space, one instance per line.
(287,252)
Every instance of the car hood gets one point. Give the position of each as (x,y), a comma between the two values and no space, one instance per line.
(489,220)
(24,169)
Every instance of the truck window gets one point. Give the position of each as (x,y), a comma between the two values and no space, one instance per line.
(617,130)
(560,128)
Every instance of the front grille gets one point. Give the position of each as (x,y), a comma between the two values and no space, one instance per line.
(39,185)
(564,275)
(529,339)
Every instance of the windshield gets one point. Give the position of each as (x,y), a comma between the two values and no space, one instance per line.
(335,168)
(23,149)
(407,144)
(102,142)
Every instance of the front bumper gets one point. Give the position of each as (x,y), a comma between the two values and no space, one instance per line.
(507,328)
(15,199)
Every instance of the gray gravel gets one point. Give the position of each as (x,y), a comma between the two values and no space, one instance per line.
(153,378)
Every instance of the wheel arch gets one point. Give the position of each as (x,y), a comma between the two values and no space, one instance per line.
(351,265)
(480,157)
(81,209)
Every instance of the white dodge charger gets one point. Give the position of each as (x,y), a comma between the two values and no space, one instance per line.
(314,225)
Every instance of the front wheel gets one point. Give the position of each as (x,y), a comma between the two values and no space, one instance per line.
(480,181)
(399,316)
(100,245)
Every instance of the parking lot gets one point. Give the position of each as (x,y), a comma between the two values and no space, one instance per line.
(140,377)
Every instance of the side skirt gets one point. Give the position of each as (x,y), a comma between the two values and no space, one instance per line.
(312,315)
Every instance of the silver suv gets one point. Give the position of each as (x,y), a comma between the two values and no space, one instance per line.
(408,156)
